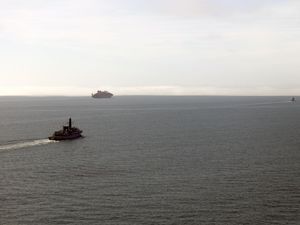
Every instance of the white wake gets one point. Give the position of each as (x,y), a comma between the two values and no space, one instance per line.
(25,144)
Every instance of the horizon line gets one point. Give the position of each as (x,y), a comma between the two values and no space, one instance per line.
(152,95)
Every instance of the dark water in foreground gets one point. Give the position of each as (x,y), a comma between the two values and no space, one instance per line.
(151,160)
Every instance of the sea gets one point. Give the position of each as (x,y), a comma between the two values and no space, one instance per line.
(150,160)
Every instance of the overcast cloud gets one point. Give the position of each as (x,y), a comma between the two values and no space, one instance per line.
(205,47)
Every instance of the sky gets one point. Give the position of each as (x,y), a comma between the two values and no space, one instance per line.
(157,47)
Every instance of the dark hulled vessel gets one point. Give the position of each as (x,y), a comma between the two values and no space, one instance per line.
(67,133)
(102,94)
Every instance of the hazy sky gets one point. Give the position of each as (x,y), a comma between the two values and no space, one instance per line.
(181,47)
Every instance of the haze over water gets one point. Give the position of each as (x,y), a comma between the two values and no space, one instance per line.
(150,160)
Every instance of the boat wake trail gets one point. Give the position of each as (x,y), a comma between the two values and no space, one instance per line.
(25,144)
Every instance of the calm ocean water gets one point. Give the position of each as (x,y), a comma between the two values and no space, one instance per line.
(151,160)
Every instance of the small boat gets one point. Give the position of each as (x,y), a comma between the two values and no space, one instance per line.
(293,99)
(67,133)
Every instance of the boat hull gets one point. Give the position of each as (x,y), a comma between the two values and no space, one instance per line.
(63,138)
(109,96)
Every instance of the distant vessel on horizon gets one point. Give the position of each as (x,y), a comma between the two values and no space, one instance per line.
(102,94)
(293,99)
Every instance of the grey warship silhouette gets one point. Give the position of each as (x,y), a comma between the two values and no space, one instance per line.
(67,133)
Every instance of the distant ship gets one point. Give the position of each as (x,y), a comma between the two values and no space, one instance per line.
(67,133)
(293,99)
(102,94)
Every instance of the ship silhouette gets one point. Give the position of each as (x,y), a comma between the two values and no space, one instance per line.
(67,133)
(102,94)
